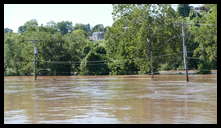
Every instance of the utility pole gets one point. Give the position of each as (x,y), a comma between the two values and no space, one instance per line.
(184,53)
(151,57)
(35,57)
(35,62)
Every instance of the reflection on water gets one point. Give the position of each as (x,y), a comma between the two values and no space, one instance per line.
(128,99)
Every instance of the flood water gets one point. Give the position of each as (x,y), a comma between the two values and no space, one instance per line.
(111,99)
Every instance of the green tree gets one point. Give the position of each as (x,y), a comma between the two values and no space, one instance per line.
(127,43)
(64,27)
(98,28)
(31,25)
(95,62)
(206,39)
(17,56)
(85,27)
(184,10)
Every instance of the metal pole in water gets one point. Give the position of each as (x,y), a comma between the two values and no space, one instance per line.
(151,60)
(35,56)
(150,54)
(35,77)
(184,53)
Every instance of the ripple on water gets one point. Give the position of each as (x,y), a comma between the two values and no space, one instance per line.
(15,117)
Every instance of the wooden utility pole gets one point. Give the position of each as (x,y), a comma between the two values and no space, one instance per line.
(184,53)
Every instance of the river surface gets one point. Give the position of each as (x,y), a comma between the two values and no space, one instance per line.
(111,99)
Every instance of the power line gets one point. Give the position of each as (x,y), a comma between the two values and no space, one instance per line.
(201,24)
(193,58)
(166,55)
(73,62)
(195,24)
(79,62)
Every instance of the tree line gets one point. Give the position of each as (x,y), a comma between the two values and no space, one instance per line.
(143,37)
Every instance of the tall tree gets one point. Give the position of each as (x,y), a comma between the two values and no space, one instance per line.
(184,10)
(31,25)
(64,27)
(206,38)
(85,27)
(98,28)
(127,38)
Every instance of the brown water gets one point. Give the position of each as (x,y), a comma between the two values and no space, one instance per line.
(106,99)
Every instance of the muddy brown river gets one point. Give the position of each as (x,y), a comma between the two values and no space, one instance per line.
(111,99)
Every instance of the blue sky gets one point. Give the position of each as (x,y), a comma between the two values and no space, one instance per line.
(16,15)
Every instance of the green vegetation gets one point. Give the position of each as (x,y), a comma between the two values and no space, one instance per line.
(138,32)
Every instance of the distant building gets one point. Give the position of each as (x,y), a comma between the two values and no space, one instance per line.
(97,36)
